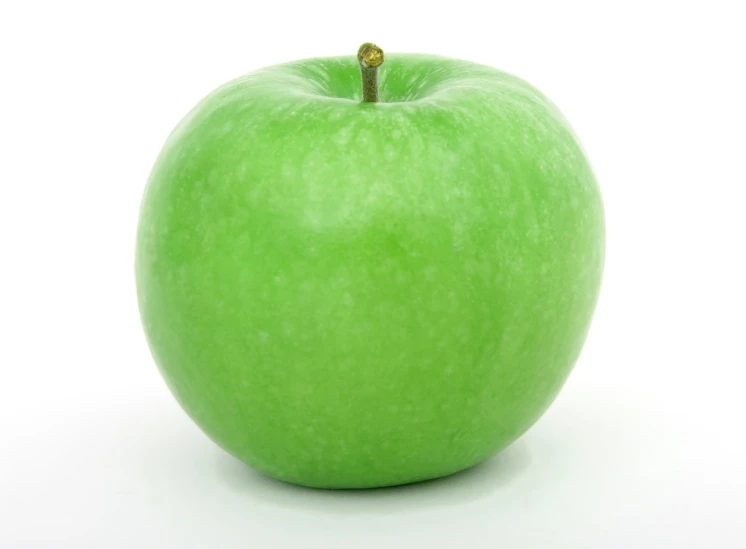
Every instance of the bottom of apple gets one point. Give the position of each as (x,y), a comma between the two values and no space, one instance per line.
(365,482)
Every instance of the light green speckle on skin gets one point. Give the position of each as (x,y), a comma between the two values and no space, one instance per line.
(353,295)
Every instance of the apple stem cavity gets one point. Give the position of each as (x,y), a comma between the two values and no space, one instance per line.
(370,58)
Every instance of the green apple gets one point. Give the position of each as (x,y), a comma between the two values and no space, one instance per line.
(351,293)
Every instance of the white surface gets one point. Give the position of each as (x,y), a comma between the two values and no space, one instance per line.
(644,447)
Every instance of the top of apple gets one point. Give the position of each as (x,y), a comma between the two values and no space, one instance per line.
(401,81)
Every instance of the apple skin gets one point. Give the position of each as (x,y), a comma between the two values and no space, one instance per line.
(346,294)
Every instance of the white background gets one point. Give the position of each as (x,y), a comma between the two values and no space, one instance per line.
(644,447)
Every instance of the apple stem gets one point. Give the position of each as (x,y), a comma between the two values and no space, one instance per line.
(370,58)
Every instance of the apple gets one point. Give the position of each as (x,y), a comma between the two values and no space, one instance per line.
(355,284)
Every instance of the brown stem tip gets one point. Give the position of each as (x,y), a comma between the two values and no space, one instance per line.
(370,55)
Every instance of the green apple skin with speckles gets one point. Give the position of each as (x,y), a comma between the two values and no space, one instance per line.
(346,294)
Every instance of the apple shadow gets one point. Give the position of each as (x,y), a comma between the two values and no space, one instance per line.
(466,486)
